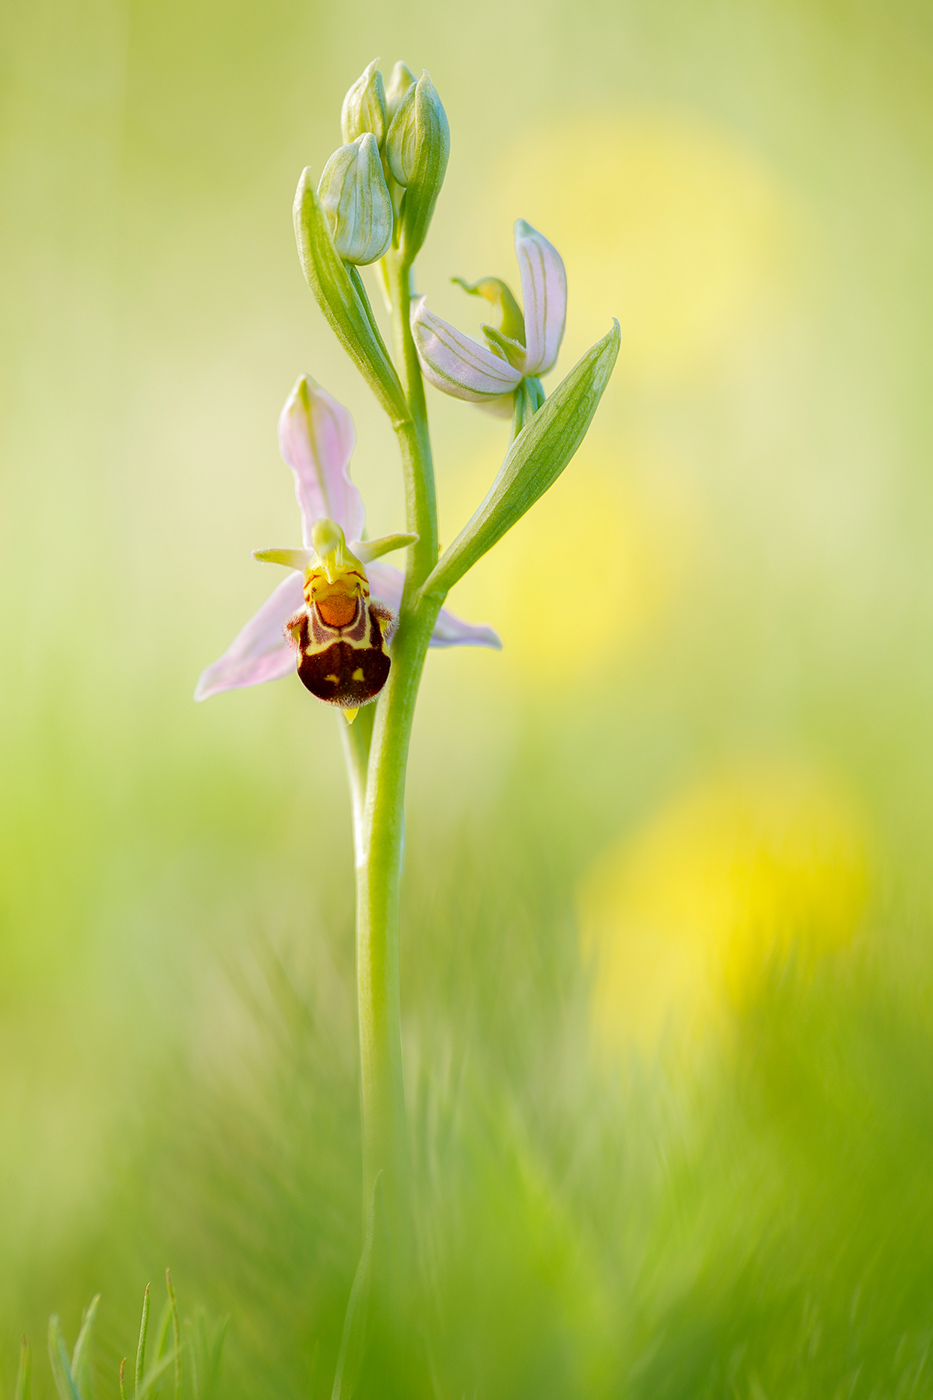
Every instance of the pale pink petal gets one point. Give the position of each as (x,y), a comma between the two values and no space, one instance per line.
(385,584)
(544,297)
(317,438)
(456,364)
(259,652)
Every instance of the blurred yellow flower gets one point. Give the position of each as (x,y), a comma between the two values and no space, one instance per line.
(672,223)
(681,919)
(585,574)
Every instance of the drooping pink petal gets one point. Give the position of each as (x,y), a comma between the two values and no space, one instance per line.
(385,584)
(259,652)
(456,364)
(544,296)
(317,438)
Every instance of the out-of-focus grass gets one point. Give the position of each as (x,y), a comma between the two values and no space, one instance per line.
(717,729)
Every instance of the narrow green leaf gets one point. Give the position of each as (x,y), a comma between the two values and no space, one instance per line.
(353,1341)
(193,1345)
(176,1333)
(165,1326)
(80,1358)
(153,1374)
(343,300)
(123,1379)
(141,1348)
(61,1365)
(534,461)
(24,1373)
(213,1354)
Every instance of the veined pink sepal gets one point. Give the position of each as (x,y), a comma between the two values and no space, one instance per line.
(544,297)
(259,652)
(317,438)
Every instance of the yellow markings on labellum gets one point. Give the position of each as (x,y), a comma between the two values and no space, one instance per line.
(340,635)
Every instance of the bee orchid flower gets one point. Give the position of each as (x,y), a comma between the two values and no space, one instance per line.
(332,617)
(520,349)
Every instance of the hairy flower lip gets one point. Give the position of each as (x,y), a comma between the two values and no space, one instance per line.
(482,374)
(317,438)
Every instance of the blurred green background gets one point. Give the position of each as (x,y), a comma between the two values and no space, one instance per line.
(667,957)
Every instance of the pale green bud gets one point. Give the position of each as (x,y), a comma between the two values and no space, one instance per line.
(417,147)
(356,199)
(364,107)
(402,137)
(400,81)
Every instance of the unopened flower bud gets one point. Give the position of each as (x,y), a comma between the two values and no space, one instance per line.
(354,194)
(364,107)
(402,137)
(417,147)
(400,80)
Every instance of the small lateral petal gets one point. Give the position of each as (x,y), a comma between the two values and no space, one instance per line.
(317,437)
(259,652)
(544,295)
(291,558)
(456,364)
(386,583)
(367,550)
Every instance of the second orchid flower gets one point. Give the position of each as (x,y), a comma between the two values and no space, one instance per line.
(523,346)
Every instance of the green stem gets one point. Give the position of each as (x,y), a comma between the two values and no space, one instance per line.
(413,437)
(357,739)
(381,829)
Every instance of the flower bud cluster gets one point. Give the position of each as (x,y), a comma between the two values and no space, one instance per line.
(382,185)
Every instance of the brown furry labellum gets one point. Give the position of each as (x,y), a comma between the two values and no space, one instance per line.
(346,663)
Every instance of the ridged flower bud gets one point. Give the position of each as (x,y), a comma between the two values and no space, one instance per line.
(364,107)
(356,199)
(417,147)
(400,80)
(402,137)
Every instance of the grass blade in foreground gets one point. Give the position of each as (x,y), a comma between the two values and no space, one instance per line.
(24,1373)
(61,1366)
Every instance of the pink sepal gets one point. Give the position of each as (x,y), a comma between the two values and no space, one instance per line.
(259,652)
(544,297)
(317,437)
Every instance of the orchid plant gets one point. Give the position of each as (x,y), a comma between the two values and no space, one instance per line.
(354,629)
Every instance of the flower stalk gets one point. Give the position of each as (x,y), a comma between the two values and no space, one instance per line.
(381,833)
(357,630)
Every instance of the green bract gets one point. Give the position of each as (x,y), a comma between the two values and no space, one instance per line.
(534,461)
(341,297)
(354,194)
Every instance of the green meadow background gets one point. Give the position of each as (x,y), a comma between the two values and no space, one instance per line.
(667,961)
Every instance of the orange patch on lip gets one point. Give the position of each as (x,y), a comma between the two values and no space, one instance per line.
(337,611)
